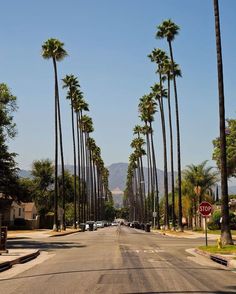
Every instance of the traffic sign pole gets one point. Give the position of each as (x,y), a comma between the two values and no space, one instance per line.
(206,230)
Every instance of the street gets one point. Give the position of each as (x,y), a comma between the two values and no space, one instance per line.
(115,260)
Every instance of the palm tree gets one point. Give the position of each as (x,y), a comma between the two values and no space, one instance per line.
(169,30)
(158,92)
(137,144)
(167,71)
(138,130)
(199,179)
(53,48)
(225,230)
(80,105)
(86,126)
(147,109)
(71,82)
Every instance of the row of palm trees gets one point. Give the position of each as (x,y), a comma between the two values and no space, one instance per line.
(90,175)
(167,71)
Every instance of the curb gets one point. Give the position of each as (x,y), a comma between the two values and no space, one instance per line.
(229,262)
(5,266)
(64,234)
(23,259)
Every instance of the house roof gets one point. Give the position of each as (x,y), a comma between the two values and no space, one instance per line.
(29,206)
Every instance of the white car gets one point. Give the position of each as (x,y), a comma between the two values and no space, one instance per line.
(100,224)
(90,223)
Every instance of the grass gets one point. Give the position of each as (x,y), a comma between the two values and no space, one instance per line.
(218,232)
(227,249)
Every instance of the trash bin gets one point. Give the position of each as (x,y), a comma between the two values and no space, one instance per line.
(82,227)
(3,239)
(147,228)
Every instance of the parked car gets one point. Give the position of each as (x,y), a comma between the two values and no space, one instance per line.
(100,224)
(114,223)
(90,226)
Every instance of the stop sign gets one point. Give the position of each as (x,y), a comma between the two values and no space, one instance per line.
(205,208)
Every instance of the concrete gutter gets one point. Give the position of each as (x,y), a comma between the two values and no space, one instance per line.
(226,260)
(16,256)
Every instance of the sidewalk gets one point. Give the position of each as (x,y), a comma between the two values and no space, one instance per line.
(43,233)
(16,256)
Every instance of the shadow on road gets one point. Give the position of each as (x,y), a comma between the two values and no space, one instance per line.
(47,246)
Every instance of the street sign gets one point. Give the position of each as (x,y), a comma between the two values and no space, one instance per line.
(205,208)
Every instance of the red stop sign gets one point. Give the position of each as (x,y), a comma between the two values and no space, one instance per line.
(205,208)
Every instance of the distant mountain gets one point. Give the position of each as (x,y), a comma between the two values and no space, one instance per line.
(118,174)
(24,173)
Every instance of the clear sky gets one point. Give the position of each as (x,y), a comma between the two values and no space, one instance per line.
(108,42)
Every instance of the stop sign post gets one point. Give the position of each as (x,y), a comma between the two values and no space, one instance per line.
(205,208)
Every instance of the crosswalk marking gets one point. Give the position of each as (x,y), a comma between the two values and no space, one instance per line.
(149,251)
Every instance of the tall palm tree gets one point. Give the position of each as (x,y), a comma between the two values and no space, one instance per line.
(71,82)
(53,48)
(225,230)
(167,71)
(137,144)
(138,130)
(80,105)
(169,30)
(147,109)
(86,126)
(158,92)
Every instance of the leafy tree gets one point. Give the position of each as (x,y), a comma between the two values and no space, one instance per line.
(230,148)
(42,172)
(109,211)
(9,184)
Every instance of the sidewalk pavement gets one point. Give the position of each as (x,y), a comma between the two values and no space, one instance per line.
(22,255)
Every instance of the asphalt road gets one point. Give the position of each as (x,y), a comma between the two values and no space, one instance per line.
(115,260)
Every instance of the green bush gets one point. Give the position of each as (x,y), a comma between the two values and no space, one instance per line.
(215,223)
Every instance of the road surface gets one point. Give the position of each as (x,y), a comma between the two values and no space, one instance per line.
(115,260)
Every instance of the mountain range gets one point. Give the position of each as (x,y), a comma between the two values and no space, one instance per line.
(118,173)
(117,176)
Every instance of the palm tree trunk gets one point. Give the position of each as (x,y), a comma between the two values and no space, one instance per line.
(171,157)
(55,227)
(180,224)
(156,202)
(62,162)
(225,230)
(74,152)
(166,217)
(79,167)
(150,178)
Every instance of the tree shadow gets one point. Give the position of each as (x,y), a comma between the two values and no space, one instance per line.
(46,246)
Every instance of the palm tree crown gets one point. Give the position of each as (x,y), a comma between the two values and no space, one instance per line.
(53,48)
(167,29)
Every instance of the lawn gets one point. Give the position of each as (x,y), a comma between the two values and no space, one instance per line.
(227,249)
(233,232)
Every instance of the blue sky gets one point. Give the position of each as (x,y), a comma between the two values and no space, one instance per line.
(108,42)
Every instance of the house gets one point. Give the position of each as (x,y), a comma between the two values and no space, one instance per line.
(30,210)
